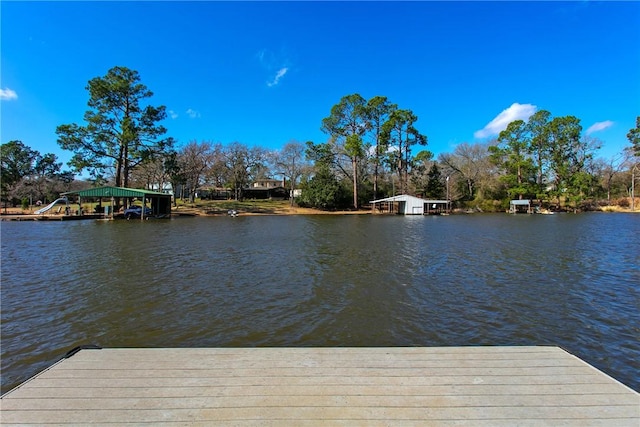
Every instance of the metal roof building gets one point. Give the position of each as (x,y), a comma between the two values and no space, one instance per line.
(410,205)
(160,202)
(519,206)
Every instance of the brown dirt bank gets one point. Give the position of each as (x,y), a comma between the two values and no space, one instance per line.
(272,210)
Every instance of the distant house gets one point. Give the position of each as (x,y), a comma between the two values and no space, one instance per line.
(214,193)
(266,189)
(410,205)
(268,183)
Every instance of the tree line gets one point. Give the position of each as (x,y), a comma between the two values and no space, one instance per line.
(373,149)
(28,176)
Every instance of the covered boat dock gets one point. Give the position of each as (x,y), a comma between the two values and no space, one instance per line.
(521,206)
(160,203)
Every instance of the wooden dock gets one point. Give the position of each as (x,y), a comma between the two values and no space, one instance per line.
(44,217)
(479,386)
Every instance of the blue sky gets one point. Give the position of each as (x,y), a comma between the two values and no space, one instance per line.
(265,73)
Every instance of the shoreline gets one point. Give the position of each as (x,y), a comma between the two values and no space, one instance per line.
(19,214)
(276,211)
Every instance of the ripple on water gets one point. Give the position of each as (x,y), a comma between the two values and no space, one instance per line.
(323,281)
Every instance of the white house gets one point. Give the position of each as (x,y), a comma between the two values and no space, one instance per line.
(268,183)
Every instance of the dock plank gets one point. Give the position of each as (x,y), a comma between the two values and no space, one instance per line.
(56,403)
(332,386)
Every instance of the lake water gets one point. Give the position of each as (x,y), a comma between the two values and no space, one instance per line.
(567,280)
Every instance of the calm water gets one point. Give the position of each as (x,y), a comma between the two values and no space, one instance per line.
(567,280)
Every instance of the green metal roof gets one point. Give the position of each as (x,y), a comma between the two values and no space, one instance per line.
(115,192)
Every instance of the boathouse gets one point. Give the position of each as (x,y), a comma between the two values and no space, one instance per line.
(409,205)
(160,203)
(520,206)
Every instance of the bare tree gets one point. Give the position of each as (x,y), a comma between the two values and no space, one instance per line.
(606,170)
(151,175)
(217,174)
(241,164)
(291,163)
(472,165)
(194,160)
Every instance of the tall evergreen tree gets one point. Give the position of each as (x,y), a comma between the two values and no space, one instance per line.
(16,162)
(120,132)
(538,129)
(634,137)
(378,110)
(346,125)
(435,187)
(565,156)
(400,133)
(512,156)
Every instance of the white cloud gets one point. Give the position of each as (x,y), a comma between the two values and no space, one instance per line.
(193,113)
(173,114)
(8,94)
(280,74)
(276,64)
(513,113)
(596,127)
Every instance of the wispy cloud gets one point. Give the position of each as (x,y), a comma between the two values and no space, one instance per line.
(173,114)
(276,64)
(8,94)
(596,127)
(280,74)
(267,59)
(193,113)
(500,122)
